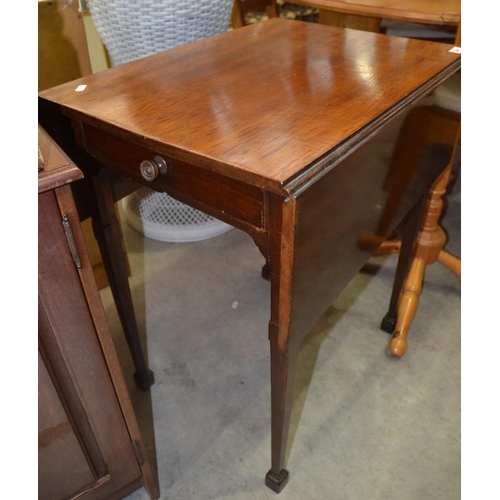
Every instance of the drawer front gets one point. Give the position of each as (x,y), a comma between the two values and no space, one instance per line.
(222,197)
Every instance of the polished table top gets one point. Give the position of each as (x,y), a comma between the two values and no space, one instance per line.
(294,132)
(259,119)
(432,12)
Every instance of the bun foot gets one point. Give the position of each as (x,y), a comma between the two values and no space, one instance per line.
(277,483)
(397,347)
(388,323)
(144,380)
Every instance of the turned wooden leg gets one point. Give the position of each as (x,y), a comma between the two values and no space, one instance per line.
(407,306)
(410,232)
(283,376)
(388,247)
(106,229)
(452,262)
(428,249)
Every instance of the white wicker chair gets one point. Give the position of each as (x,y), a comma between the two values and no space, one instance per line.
(134,29)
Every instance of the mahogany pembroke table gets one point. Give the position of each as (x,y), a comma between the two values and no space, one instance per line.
(284,129)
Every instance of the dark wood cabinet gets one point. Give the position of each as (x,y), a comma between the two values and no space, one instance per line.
(89,443)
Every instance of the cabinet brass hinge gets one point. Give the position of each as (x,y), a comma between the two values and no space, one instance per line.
(138,452)
(71,242)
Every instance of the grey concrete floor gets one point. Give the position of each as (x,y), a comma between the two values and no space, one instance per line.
(364,426)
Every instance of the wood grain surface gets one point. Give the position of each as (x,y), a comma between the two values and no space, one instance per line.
(439,13)
(260,103)
(57,170)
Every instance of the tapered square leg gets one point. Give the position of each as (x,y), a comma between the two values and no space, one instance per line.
(107,233)
(283,375)
(277,483)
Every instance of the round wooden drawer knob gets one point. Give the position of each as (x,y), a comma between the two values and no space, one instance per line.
(151,169)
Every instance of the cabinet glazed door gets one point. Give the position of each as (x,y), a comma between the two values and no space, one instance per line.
(84,445)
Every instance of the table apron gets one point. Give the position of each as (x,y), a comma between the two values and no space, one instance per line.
(229,200)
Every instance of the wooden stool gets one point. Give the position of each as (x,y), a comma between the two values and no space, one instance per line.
(429,247)
(444,128)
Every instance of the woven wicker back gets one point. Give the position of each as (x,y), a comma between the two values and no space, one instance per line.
(131,29)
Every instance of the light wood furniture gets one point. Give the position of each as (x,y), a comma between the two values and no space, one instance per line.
(241,7)
(367,15)
(291,145)
(441,122)
(63,53)
(443,126)
(89,443)
(63,56)
(428,249)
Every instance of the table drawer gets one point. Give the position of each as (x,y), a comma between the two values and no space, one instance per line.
(224,198)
